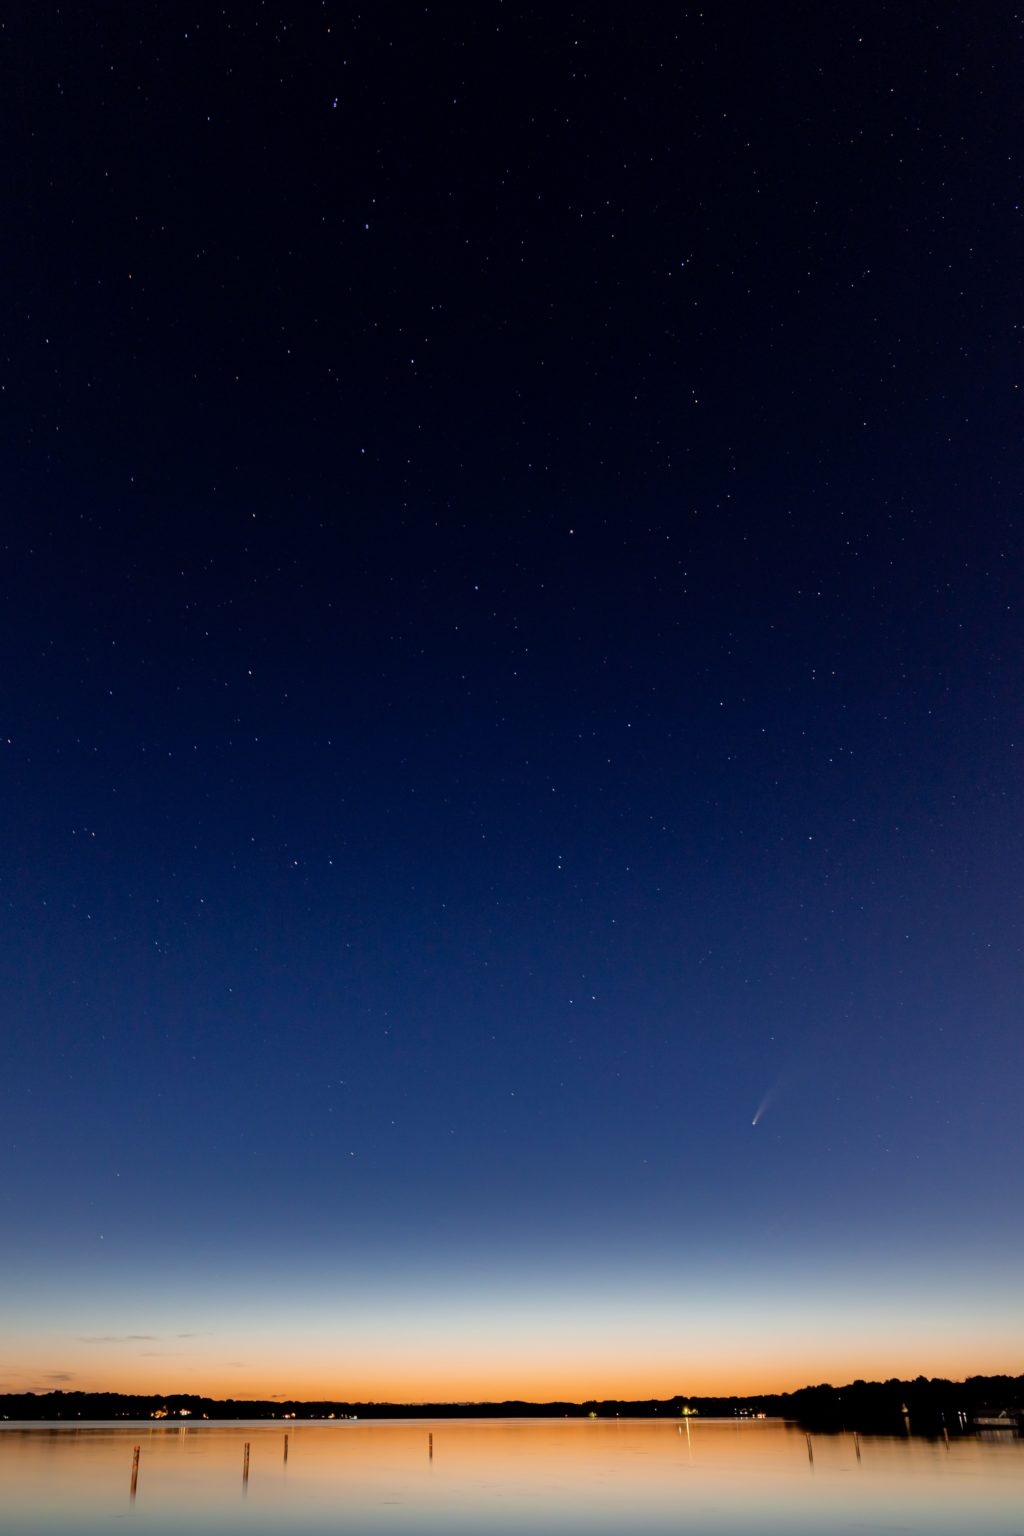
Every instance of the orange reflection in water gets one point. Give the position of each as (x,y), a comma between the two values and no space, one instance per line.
(505,1476)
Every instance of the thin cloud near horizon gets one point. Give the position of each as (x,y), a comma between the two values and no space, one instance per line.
(131,1338)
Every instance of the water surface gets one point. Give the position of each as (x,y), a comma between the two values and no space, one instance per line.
(504,1477)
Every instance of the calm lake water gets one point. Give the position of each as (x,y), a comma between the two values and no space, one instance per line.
(503,1477)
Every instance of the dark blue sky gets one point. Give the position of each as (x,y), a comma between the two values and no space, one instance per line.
(511,565)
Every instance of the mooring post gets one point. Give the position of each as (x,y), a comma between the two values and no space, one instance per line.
(245,1465)
(135,1471)
(430,1446)
(810,1451)
(856,1444)
(286,1447)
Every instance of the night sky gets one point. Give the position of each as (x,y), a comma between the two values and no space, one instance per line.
(511,674)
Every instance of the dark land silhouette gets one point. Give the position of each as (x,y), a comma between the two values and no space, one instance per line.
(922,1406)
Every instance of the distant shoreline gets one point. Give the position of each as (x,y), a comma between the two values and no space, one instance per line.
(354,1421)
(922,1406)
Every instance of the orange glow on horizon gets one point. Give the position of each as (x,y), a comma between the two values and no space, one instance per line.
(477,1381)
(475,1347)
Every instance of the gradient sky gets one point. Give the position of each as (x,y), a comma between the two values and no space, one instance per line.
(512,665)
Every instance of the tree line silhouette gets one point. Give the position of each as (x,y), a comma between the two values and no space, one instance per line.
(922,1406)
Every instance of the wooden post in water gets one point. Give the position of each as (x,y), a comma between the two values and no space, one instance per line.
(810,1451)
(135,1471)
(945,1436)
(856,1444)
(245,1466)
(430,1447)
(286,1447)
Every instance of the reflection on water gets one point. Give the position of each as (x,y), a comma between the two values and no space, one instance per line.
(505,1477)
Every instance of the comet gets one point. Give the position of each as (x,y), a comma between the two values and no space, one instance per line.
(763,1105)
